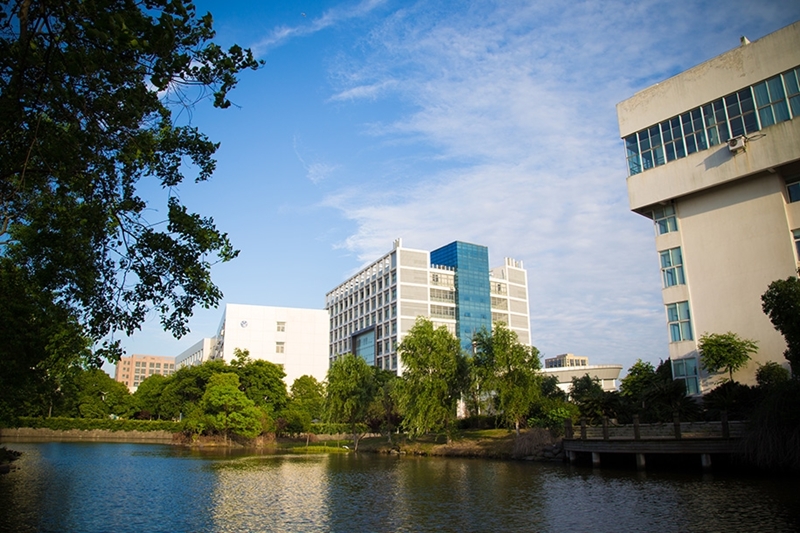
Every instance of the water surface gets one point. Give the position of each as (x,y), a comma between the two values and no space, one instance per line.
(95,487)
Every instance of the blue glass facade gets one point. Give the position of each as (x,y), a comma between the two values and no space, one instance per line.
(364,346)
(473,302)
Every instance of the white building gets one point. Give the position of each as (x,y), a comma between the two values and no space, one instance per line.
(371,312)
(295,339)
(196,354)
(567,366)
(714,161)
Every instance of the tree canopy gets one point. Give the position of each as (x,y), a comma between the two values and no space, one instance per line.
(781,303)
(511,371)
(87,94)
(434,377)
(725,351)
(350,391)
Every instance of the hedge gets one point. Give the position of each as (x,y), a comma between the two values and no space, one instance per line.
(66,424)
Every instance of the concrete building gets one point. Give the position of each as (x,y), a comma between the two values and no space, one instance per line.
(295,339)
(714,161)
(134,369)
(371,312)
(197,354)
(567,366)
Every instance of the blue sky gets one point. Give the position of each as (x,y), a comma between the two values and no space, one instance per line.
(434,121)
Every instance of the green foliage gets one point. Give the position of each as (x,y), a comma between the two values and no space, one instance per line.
(383,415)
(550,389)
(293,421)
(184,389)
(147,397)
(350,391)
(66,424)
(552,417)
(510,370)
(328,428)
(781,303)
(771,374)
(261,381)
(86,98)
(725,351)
(735,399)
(772,438)
(308,394)
(227,410)
(434,377)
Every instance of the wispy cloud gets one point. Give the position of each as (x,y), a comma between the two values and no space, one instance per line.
(520,98)
(316,171)
(330,18)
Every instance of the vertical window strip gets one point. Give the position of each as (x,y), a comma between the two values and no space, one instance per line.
(679,322)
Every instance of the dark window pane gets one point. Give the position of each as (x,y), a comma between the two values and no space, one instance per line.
(670,148)
(737,126)
(666,132)
(750,123)
(781,111)
(746,100)
(679,148)
(794,191)
(644,141)
(691,147)
(762,96)
(701,141)
(647,160)
(776,89)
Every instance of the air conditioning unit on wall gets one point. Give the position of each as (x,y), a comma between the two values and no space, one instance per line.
(737,144)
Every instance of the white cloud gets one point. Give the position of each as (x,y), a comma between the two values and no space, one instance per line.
(330,18)
(519,98)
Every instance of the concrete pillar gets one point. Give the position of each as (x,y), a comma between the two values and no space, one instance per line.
(726,430)
(636,434)
(572,457)
(676,421)
(568,431)
(705,460)
(595,459)
(605,428)
(583,429)
(640,461)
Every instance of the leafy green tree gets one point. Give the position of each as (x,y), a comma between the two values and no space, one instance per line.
(383,414)
(87,93)
(147,397)
(308,394)
(434,378)
(637,386)
(94,394)
(725,351)
(228,410)
(781,303)
(771,374)
(511,371)
(261,381)
(349,393)
(184,389)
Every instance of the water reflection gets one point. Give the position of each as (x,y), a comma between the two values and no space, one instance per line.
(127,487)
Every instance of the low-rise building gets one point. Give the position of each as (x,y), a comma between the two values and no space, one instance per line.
(568,366)
(134,369)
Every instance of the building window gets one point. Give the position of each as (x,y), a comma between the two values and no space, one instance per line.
(665,220)
(281,326)
(771,102)
(680,323)
(793,189)
(791,79)
(686,370)
(693,131)
(796,234)
(441,311)
(741,112)
(279,347)
(672,267)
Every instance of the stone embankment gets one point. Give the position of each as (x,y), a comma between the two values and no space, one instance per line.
(80,435)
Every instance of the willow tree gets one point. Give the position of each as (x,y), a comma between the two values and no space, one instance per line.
(434,378)
(349,393)
(87,95)
(511,371)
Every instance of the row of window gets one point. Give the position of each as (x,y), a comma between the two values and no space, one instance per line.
(741,113)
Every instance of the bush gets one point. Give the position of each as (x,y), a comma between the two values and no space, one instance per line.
(66,424)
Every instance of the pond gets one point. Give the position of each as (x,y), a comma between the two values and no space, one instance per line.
(97,487)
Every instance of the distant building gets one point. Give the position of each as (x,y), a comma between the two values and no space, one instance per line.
(197,354)
(371,312)
(567,366)
(295,339)
(714,162)
(134,369)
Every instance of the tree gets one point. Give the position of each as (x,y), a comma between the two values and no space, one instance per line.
(511,371)
(434,378)
(227,409)
(87,92)
(587,393)
(261,381)
(383,414)
(350,390)
(638,383)
(771,374)
(781,303)
(725,351)
(184,389)
(308,394)
(94,394)
(147,397)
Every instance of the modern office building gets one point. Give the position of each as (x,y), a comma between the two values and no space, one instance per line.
(568,366)
(134,369)
(196,354)
(371,312)
(295,339)
(714,161)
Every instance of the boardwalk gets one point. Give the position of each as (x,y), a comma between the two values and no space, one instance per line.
(699,438)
